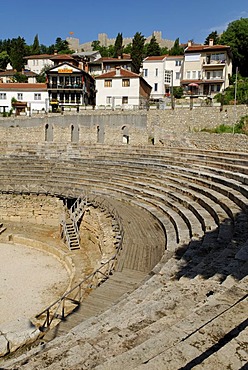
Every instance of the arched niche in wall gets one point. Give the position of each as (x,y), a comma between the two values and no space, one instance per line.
(74,133)
(48,132)
(125,135)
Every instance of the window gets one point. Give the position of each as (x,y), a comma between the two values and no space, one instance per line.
(125,82)
(199,75)
(124,100)
(108,100)
(167,77)
(145,72)
(177,75)
(20,96)
(107,83)
(155,87)
(178,63)
(188,75)
(37,96)
(3,96)
(218,57)
(156,72)
(194,74)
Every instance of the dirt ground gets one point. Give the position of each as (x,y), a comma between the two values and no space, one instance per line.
(29,281)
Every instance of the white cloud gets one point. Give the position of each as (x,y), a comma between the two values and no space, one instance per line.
(222,27)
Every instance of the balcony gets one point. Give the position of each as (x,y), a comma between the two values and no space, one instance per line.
(65,87)
(214,63)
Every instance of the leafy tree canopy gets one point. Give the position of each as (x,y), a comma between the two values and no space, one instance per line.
(35,48)
(118,47)
(176,48)
(212,36)
(4,59)
(236,36)
(153,47)
(17,53)
(137,53)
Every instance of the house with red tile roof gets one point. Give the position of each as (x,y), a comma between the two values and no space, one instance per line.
(32,96)
(207,69)
(162,72)
(36,63)
(8,76)
(122,89)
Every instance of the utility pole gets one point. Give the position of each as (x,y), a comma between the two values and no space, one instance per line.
(235,99)
(172,94)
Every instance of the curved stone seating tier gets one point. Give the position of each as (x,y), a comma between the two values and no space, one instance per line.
(191,307)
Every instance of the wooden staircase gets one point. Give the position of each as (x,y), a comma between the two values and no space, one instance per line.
(73,236)
(69,223)
(2,228)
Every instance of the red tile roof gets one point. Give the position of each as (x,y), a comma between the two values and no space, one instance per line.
(22,86)
(156,57)
(12,72)
(39,56)
(113,74)
(194,48)
(61,57)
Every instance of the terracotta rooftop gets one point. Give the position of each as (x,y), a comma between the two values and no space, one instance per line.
(22,86)
(12,72)
(114,73)
(194,48)
(61,57)
(156,57)
(39,56)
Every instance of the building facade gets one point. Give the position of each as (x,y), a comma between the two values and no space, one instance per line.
(37,63)
(121,89)
(68,84)
(162,72)
(32,97)
(207,69)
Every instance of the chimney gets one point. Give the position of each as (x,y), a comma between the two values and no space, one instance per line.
(189,43)
(118,71)
(211,42)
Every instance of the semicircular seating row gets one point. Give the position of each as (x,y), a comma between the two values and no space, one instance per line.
(200,199)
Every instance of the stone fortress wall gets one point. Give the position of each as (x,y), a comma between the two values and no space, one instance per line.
(106,41)
(179,127)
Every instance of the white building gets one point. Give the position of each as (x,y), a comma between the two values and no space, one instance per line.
(207,69)
(36,63)
(123,89)
(8,76)
(162,72)
(33,97)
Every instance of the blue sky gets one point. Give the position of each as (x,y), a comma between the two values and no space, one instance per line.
(186,19)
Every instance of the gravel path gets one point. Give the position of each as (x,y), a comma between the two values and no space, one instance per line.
(29,281)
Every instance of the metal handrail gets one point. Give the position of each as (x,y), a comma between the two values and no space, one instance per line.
(57,310)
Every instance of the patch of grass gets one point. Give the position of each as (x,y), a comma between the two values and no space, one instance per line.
(239,128)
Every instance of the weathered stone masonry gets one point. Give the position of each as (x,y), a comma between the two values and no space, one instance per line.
(135,128)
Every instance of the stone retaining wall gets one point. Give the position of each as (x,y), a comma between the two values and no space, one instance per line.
(41,209)
(116,128)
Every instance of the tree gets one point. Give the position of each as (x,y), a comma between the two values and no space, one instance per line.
(4,59)
(19,77)
(95,45)
(62,46)
(118,47)
(41,77)
(137,53)
(17,53)
(127,49)
(212,36)
(176,48)
(236,36)
(153,47)
(35,48)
